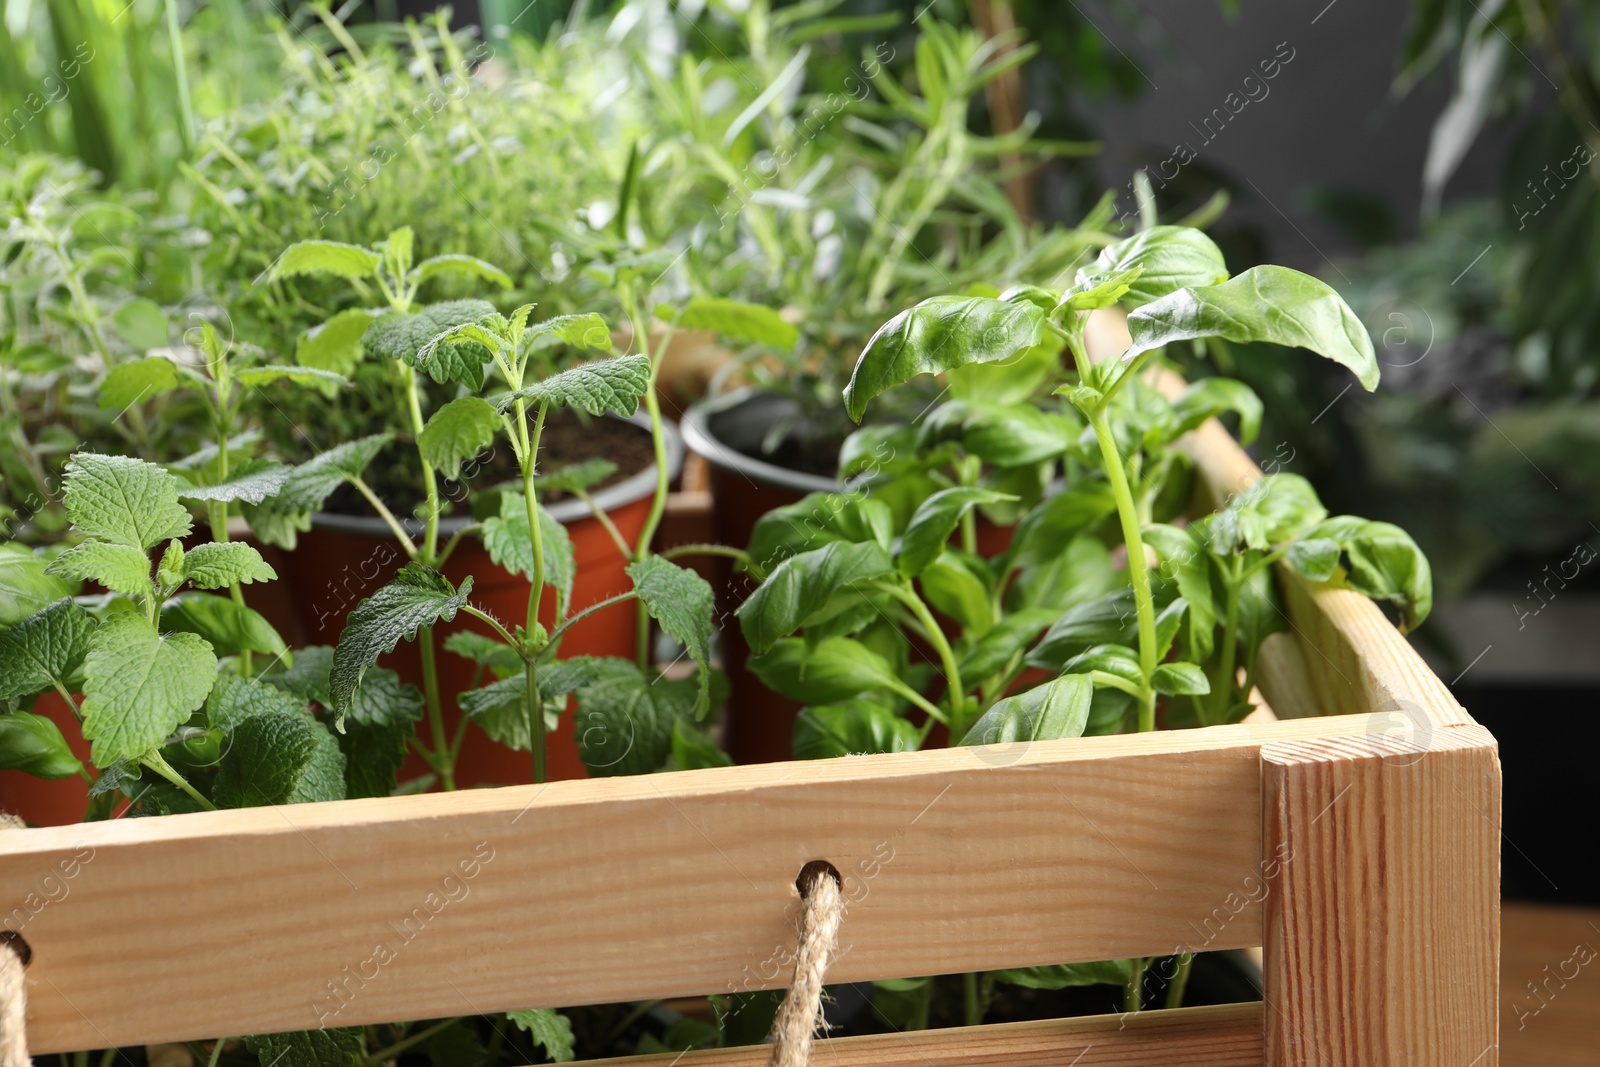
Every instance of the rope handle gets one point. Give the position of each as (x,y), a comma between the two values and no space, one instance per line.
(14,958)
(800,1015)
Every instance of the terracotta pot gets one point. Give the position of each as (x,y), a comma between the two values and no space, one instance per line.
(49,801)
(759,724)
(343,559)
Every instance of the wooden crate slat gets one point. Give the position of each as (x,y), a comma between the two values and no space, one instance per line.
(633,888)
(1225,1036)
(1382,919)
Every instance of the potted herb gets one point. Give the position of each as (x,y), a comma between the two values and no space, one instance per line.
(879,611)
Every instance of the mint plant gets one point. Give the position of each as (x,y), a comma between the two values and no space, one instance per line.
(635,722)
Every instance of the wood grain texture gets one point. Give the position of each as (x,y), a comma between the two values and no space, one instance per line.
(635,888)
(1381,934)
(1226,1036)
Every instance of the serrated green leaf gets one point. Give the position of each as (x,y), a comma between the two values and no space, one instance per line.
(510,544)
(1266,303)
(486,651)
(549,1029)
(136,381)
(398,250)
(416,596)
(217,564)
(799,589)
(142,324)
(377,732)
(596,387)
(255,377)
(228,627)
(307,676)
(251,485)
(734,319)
(323,776)
(336,344)
(1180,679)
(693,749)
(33,745)
(122,568)
(328,1047)
(169,571)
(139,686)
(934,521)
(500,708)
(277,518)
(351,262)
(402,336)
(124,500)
(938,334)
(457,432)
(1048,712)
(234,699)
(1169,257)
(43,649)
(265,759)
(682,603)
(624,721)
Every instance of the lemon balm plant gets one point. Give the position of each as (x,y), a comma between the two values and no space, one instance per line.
(634,722)
(857,587)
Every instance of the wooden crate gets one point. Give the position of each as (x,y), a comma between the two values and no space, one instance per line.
(1359,848)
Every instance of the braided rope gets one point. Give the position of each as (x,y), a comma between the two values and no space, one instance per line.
(800,1014)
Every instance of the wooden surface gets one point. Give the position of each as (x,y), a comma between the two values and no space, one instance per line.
(1381,932)
(643,887)
(1227,1036)
(1549,997)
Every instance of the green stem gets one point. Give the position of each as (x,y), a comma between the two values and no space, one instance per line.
(430,543)
(386,515)
(1223,687)
(1131,993)
(934,714)
(534,706)
(410,1041)
(1138,568)
(535,712)
(442,761)
(180,71)
(955,694)
(494,624)
(1179,981)
(213,1059)
(658,440)
(736,554)
(969,993)
(455,540)
(605,522)
(971,467)
(155,762)
(572,620)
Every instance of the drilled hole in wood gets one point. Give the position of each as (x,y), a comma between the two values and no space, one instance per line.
(24,951)
(814,870)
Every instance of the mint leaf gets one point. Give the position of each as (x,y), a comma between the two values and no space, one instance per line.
(682,602)
(142,324)
(307,677)
(329,1047)
(136,381)
(266,757)
(336,344)
(347,261)
(416,596)
(122,568)
(216,564)
(139,686)
(580,331)
(550,1029)
(43,650)
(457,432)
(252,485)
(402,336)
(625,722)
(510,545)
(233,700)
(377,731)
(228,627)
(124,500)
(575,477)
(277,520)
(323,775)
(596,387)
(499,708)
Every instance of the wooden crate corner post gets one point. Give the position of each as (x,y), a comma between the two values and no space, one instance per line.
(1381,928)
